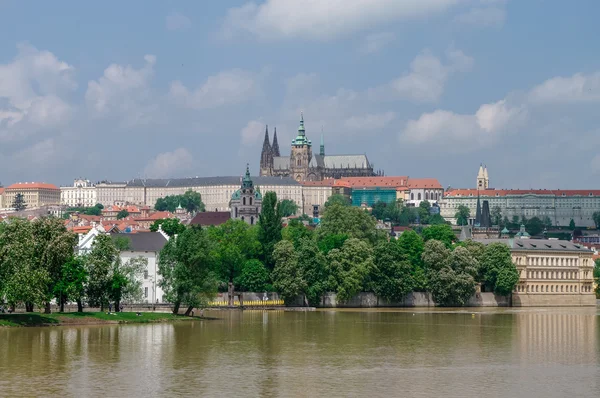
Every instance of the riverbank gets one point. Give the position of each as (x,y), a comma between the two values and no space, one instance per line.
(88,318)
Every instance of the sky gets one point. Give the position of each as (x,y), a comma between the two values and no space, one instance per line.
(426,88)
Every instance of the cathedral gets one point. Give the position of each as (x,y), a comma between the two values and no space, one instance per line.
(303,165)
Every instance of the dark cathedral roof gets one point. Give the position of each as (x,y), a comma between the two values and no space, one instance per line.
(207,181)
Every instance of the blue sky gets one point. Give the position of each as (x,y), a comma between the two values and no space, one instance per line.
(427,88)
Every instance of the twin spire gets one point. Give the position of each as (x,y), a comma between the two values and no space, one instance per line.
(267,147)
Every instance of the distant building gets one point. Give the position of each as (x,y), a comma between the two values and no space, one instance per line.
(304,165)
(82,194)
(35,194)
(246,202)
(209,218)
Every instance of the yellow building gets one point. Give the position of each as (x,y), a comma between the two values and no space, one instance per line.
(35,194)
(1,198)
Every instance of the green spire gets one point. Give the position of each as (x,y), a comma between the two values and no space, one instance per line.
(322,148)
(301,137)
(301,130)
(247,181)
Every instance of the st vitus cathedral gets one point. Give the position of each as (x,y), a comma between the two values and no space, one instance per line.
(303,165)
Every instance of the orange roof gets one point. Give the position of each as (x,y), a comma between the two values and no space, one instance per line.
(89,218)
(32,185)
(364,182)
(325,183)
(510,192)
(81,230)
(160,215)
(424,183)
(1,190)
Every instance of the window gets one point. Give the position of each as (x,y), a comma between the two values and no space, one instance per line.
(244,201)
(146,274)
(146,292)
(250,201)
(419,196)
(251,220)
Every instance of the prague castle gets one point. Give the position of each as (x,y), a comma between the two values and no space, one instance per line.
(303,165)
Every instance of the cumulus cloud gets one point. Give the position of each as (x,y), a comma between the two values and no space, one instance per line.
(376,42)
(427,77)
(33,93)
(177,21)
(370,121)
(324,20)
(225,88)
(482,17)
(577,88)
(123,91)
(252,132)
(170,164)
(464,132)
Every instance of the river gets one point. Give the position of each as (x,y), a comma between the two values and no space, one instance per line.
(351,353)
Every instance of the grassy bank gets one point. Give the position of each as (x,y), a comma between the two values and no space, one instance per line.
(87,318)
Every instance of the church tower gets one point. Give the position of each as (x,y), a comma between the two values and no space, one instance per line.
(275,146)
(483,181)
(322,147)
(301,154)
(266,156)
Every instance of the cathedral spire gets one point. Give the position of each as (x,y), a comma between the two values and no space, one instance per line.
(322,148)
(266,144)
(275,146)
(301,130)
(266,155)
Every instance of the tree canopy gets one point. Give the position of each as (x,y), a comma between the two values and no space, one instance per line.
(462,215)
(171,226)
(287,207)
(269,227)
(191,201)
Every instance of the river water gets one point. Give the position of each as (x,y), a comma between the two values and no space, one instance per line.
(351,353)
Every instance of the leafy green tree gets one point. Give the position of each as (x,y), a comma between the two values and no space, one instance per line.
(596,218)
(436,219)
(337,198)
(127,280)
(19,202)
(423,210)
(547,222)
(397,213)
(287,207)
(122,214)
(391,277)
(462,215)
(477,250)
(435,256)
(191,201)
(353,221)
(498,270)
(171,226)
(100,263)
(441,232)
(597,277)
(295,231)
(534,226)
(269,227)
(331,241)
(349,268)
(379,210)
(188,270)
(287,275)
(496,215)
(411,245)
(72,282)
(572,225)
(312,265)
(254,277)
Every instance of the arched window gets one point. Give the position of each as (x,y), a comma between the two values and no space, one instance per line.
(537,288)
(235,212)
(250,201)
(244,201)
(426,195)
(419,196)
(552,289)
(299,163)
(547,288)
(251,220)
(412,196)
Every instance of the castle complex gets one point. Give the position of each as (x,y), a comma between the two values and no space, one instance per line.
(303,165)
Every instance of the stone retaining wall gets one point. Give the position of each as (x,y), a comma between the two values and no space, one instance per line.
(553,300)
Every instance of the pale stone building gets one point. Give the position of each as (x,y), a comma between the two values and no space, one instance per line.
(551,272)
(246,202)
(35,194)
(110,193)
(82,194)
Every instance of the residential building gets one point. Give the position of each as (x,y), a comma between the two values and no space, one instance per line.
(82,194)
(551,272)
(304,165)
(246,202)
(35,194)
(1,198)
(110,193)
(209,218)
(316,193)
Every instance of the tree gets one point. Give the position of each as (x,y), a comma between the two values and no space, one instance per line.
(572,225)
(337,198)
(477,250)
(423,210)
(462,215)
(534,226)
(312,265)
(596,218)
(269,227)
(597,277)
(547,222)
(287,277)
(126,281)
(329,242)
(94,211)
(498,270)
(188,270)
(496,215)
(100,263)
(441,232)
(254,277)
(170,226)
(72,282)
(352,221)
(122,214)
(295,231)
(287,207)
(192,202)
(379,210)
(436,219)
(411,245)
(19,202)
(349,268)
(391,277)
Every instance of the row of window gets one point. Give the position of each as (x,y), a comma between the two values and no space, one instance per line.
(428,196)
(552,274)
(550,261)
(552,289)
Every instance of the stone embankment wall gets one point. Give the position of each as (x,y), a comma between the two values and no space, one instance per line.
(553,300)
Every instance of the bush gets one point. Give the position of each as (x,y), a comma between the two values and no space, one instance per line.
(254,277)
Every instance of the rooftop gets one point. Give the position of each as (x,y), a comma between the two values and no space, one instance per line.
(143,241)
(32,185)
(538,244)
(389,182)
(519,192)
(206,181)
(211,218)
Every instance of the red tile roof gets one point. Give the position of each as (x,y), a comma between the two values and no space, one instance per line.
(32,185)
(364,182)
(420,183)
(1,191)
(509,192)
(211,218)
(325,183)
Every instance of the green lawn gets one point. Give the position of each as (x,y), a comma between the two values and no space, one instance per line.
(86,318)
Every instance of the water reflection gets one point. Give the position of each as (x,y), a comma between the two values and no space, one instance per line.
(550,353)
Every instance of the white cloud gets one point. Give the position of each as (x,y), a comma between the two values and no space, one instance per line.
(323,20)
(461,133)
(225,88)
(33,91)
(376,42)
(577,88)
(123,91)
(170,164)
(369,122)
(177,21)
(427,77)
(483,17)
(252,132)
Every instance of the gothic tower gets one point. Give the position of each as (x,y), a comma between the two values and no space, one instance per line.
(322,147)
(483,181)
(275,146)
(266,156)
(301,154)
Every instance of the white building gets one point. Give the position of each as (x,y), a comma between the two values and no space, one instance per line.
(82,194)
